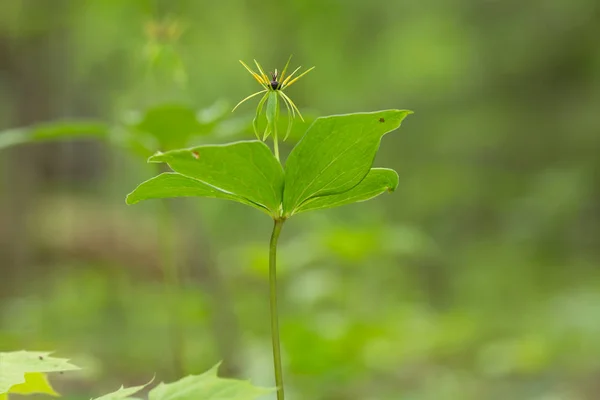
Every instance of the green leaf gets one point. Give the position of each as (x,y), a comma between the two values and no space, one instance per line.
(377,181)
(172,125)
(259,108)
(35,382)
(123,393)
(172,184)
(14,365)
(213,113)
(207,386)
(246,170)
(335,154)
(60,130)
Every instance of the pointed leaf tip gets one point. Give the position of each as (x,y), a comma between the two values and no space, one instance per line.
(208,386)
(123,392)
(155,157)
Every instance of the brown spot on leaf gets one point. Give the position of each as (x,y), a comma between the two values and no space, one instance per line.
(41,358)
(381,119)
(196,155)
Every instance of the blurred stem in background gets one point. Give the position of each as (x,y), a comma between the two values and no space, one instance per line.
(222,318)
(223,321)
(273,301)
(172,282)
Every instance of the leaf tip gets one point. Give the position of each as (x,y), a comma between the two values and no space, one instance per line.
(394,182)
(131,199)
(157,157)
(395,117)
(215,369)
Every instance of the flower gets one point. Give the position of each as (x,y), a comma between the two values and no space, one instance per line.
(273,89)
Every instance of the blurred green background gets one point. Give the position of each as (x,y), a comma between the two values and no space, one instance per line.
(477,279)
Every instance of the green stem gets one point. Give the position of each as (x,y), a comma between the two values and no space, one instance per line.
(273,300)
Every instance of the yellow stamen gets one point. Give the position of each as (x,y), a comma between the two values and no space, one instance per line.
(289,77)
(258,78)
(298,77)
(265,77)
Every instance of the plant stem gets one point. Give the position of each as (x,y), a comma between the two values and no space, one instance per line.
(273,300)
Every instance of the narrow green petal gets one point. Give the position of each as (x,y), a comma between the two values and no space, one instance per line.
(290,116)
(261,103)
(293,105)
(248,98)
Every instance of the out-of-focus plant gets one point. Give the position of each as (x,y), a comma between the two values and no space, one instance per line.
(330,166)
(164,126)
(160,51)
(140,133)
(24,372)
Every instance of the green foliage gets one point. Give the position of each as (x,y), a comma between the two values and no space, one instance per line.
(207,386)
(163,127)
(500,181)
(326,169)
(23,372)
(53,131)
(244,171)
(330,166)
(15,365)
(35,383)
(122,392)
(335,155)
(377,181)
(164,185)
(171,126)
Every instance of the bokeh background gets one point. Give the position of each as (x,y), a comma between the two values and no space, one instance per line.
(477,279)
